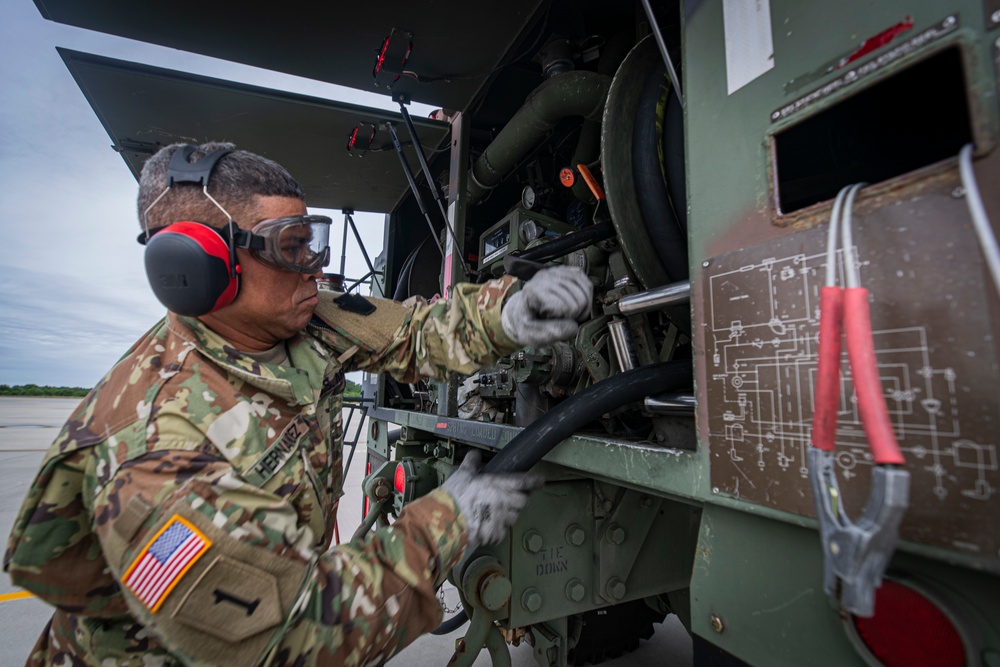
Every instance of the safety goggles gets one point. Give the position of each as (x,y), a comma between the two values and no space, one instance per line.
(299,243)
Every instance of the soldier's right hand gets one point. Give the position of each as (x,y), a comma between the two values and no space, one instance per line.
(490,503)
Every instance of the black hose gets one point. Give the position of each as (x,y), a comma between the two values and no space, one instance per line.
(651,191)
(452,624)
(570,242)
(530,445)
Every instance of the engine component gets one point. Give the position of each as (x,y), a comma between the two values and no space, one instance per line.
(577,93)
(515,232)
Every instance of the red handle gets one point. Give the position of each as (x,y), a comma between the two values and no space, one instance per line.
(867,385)
(826,399)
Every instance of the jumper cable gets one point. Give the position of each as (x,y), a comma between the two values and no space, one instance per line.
(855,554)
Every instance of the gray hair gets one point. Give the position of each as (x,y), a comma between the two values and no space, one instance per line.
(236,181)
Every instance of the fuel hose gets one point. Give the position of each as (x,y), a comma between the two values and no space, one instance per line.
(539,438)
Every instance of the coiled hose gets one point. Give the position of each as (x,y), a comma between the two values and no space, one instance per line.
(530,445)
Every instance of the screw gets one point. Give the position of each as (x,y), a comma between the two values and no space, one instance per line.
(575,590)
(717,623)
(958,192)
(616,534)
(575,535)
(950,21)
(715,489)
(532,541)
(531,600)
(616,588)
(705,263)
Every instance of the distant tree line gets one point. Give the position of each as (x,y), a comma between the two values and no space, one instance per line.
(35,390)
(352,389)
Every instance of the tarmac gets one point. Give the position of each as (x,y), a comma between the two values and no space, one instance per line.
(28,426)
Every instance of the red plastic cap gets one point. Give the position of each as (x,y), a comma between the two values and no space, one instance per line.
(909,630)
(399,479)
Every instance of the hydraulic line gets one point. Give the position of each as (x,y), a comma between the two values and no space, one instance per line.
(530,445)
(570,242)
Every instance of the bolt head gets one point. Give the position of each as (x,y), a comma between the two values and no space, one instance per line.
(616,534)
(532,542)
(616,588)
(575,535)
(575,590)
(531,600)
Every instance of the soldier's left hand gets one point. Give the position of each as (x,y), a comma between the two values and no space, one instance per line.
(549,306)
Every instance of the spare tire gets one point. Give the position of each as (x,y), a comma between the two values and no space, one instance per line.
(613,631)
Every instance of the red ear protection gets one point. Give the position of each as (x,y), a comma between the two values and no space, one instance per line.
(189,268)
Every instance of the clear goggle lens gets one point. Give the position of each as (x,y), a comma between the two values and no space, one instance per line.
(300,243)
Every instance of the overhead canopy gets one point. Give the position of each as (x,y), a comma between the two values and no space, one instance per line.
(463,40)
(143,108)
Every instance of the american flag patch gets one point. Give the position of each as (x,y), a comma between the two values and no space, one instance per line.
(165,559)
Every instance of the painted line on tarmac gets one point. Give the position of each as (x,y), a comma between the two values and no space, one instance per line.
(19,595)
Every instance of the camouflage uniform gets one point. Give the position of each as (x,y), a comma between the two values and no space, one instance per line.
(187,436)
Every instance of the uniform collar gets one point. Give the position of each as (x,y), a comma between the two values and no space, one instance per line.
(297,383)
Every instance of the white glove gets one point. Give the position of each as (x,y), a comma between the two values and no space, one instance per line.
(490,503)
(548,307)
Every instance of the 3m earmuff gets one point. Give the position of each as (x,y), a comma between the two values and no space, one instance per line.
(191,266)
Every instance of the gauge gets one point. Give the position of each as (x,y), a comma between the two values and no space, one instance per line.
(529,198)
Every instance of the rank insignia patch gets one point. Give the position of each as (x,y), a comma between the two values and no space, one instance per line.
(167,557)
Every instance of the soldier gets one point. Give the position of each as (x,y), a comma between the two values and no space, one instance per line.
(184,513)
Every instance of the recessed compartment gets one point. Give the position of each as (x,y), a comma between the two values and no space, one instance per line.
(912,119)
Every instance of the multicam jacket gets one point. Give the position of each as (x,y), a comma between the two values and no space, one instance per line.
(184,513)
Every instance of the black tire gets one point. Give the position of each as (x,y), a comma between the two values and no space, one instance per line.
(613,631)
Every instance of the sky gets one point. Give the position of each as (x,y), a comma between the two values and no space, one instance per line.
(73,291)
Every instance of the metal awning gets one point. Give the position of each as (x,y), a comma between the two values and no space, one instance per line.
(143,108)
(462,40)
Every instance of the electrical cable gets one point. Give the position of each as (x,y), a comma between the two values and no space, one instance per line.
(981,223)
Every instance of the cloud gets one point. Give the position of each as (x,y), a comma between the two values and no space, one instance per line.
(73,293)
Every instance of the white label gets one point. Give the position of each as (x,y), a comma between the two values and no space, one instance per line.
(749,44)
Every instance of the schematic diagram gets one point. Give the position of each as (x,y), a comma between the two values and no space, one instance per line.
(761,319)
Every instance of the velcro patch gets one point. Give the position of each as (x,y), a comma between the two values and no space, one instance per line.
(164,560)
(355,303)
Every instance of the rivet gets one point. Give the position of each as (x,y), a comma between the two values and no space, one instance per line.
(717,623)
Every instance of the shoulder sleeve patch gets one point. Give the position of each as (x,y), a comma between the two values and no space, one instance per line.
(232,600)
(355,303)
(164,561)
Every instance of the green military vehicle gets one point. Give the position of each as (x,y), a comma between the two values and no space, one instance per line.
(694,158)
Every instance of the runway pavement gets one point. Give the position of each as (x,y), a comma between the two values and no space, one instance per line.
(28,426)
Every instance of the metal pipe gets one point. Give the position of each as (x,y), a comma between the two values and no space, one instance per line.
(680,404)
(663,51)
(431,183)
(624,347)
(656,299)
(408,172)
(577,93)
